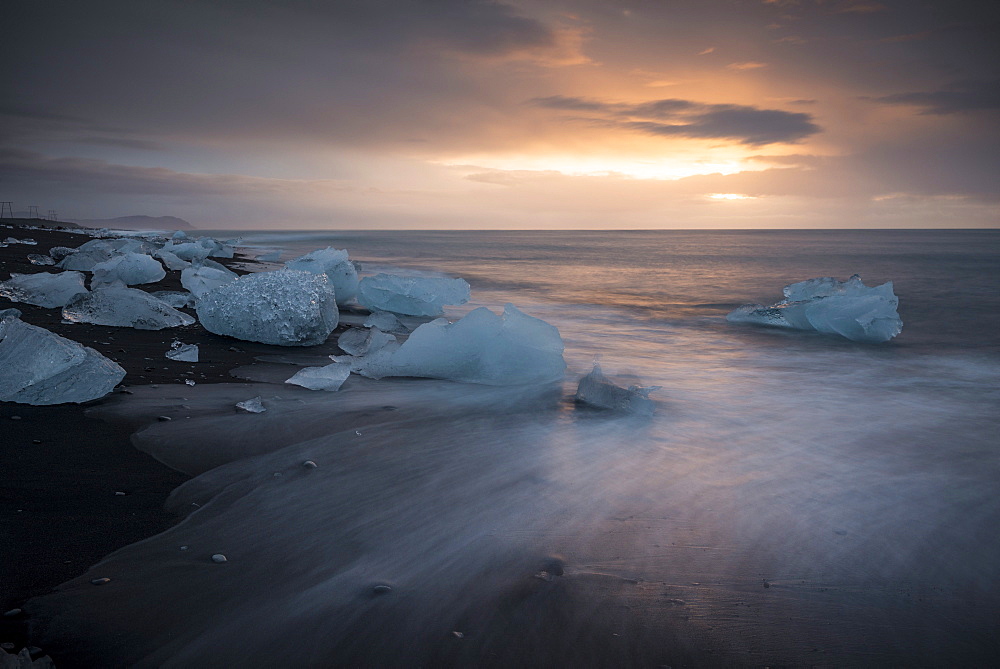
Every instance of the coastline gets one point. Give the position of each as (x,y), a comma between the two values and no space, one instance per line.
(60,507)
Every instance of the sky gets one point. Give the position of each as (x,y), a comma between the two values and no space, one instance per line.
(448,114)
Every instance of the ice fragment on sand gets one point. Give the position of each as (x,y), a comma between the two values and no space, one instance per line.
(273,256)
(340,271)
(411,295)
(59,252)
(329,378)
(170,260)
(99,250)
(183,352)
(848,308)
(40,367)
(124,307)
(203,276)
(362,341)
(219,558)
(597,390)
(386,322)
(252,405)
(283,307)
(178,299)
(129,268)
(189,251)
(38,259)
(481,347)
(43,289)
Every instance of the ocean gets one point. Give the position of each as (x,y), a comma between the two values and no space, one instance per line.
(796,499)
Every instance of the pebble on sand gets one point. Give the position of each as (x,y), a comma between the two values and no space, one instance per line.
(219,558)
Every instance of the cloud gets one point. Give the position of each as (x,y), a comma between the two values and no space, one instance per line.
(747,65)
(958,98)
(742,123)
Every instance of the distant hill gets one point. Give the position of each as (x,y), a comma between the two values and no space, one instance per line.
(136,223)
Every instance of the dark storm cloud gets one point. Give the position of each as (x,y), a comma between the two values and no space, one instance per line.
(958,98)
(741,123)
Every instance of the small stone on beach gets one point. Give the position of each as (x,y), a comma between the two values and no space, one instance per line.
(381,589)
(219,558)
(309,464)
(99,581)
(163,419)
(12,613)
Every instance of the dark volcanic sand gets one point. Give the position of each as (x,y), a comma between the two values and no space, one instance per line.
(59,511)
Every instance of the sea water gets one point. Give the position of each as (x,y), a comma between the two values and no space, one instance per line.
(795,499)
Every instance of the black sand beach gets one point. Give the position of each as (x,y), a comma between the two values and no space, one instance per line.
(61,502)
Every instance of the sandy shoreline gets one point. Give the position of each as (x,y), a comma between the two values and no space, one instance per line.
(62,469)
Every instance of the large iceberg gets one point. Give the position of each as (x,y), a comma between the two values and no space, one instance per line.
(40,367)
(481,347)
(411,295)
(43,289)
(124,307)
(129,268)
(340,271)
(205,275)
(848,308)
(283,307)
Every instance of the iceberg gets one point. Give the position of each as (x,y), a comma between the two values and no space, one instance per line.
(386,322)
(183,352)
(597,390)
(39,259)
(847,308)
(328,378)
(43,289)
(40,367)
(124,307)
(481,347)
(178,299)
(411,295)
(129,268)
(284,307)
(100,250)
(340,271)
(203,276)
(362,341)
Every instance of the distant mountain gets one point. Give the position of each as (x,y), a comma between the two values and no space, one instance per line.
(136,223)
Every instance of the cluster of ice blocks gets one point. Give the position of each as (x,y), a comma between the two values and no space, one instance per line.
(847,308)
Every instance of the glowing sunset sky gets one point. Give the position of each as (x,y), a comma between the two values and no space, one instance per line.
(447,114)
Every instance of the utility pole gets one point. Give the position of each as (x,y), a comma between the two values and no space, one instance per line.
(52,215)
(32,211)
(9,206)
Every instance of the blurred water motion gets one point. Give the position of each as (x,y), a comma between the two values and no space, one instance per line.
(795,500)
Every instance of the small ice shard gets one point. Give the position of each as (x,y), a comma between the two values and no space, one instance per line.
(273,256)
(189,382)
(252,405)
(124,307)
(40,367)
(203,276)
(481,347)
(386,322)
(848,308)
(183,352)
(170,260)
(39,259)
(411,295)
(43,289)
(129,268)
(178,299)
(342,274)
(597,390)
(329,378)
(12,240)
(283,307)
(362,341)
